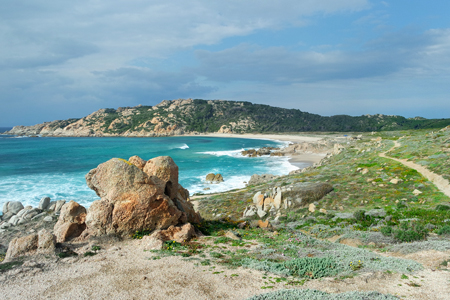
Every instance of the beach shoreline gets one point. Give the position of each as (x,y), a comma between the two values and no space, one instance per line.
(296,159)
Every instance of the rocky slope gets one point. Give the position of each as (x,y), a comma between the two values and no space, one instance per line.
(187,116)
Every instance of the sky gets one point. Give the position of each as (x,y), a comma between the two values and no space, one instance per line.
(66,59)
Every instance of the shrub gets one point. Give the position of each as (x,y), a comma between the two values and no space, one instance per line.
(444,230)
(89,253)
(311,267)
(406,232)
(9,265)
(386,230)
(441,207)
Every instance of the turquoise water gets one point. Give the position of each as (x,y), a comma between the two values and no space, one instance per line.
(32,168)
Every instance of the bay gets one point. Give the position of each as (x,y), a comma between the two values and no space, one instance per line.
(32,168)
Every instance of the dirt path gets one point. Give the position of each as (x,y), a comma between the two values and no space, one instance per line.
(440,182)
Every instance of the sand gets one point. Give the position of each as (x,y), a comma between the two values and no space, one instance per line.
(298,160)
(125,271)
(278,137)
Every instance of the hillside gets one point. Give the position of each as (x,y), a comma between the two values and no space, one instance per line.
(187,116)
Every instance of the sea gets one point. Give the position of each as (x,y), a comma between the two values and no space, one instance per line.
(36,167)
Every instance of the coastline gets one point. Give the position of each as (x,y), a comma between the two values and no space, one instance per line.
(296,159)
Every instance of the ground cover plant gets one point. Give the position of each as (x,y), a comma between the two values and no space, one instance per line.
(294,294)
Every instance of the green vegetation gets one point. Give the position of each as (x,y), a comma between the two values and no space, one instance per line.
(295,294)
(9,265)
(209,116)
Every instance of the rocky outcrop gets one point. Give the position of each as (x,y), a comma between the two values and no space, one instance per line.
(260,179)
(275,199)
(137,199)
(42,242)
(11,208)
(259,152)
(71,222)
(179,234)
(214,178)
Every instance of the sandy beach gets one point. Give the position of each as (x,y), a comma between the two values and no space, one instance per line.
(278,137)
(296,159)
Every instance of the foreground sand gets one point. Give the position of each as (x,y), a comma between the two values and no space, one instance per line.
(125,271)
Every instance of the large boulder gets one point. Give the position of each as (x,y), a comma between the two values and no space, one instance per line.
(260,179)
(304,193)
(42,242)
(133,199)
(12,207)
(71,222)
(214,178)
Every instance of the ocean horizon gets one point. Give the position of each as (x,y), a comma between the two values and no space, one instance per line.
(55,167)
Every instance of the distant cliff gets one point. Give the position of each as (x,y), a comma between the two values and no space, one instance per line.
(187,116)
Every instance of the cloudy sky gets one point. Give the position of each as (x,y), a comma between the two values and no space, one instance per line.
(62,59)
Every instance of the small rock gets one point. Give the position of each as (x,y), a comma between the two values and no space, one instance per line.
(232,235)
(48,219)
(277,200)
(261,213)
(14,220)
(37,216)
(322,210)
(416,192)
(5,225)
(430,226)
(242,225)
(256,197)
(52,205)
(59,205)
(263,224)
(394,181)
(44,203)
(312,207)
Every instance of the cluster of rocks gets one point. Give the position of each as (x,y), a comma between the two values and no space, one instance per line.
(260,179)
(214,178)
(261,152)
(135,195)
(271,202)
(14,213)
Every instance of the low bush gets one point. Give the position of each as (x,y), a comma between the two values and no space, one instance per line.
(406,232)
(295,294)
(311,267)
(444,230)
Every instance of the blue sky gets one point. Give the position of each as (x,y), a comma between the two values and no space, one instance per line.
(63,59)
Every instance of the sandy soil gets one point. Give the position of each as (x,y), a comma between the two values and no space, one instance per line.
(125,271)
(278,137)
